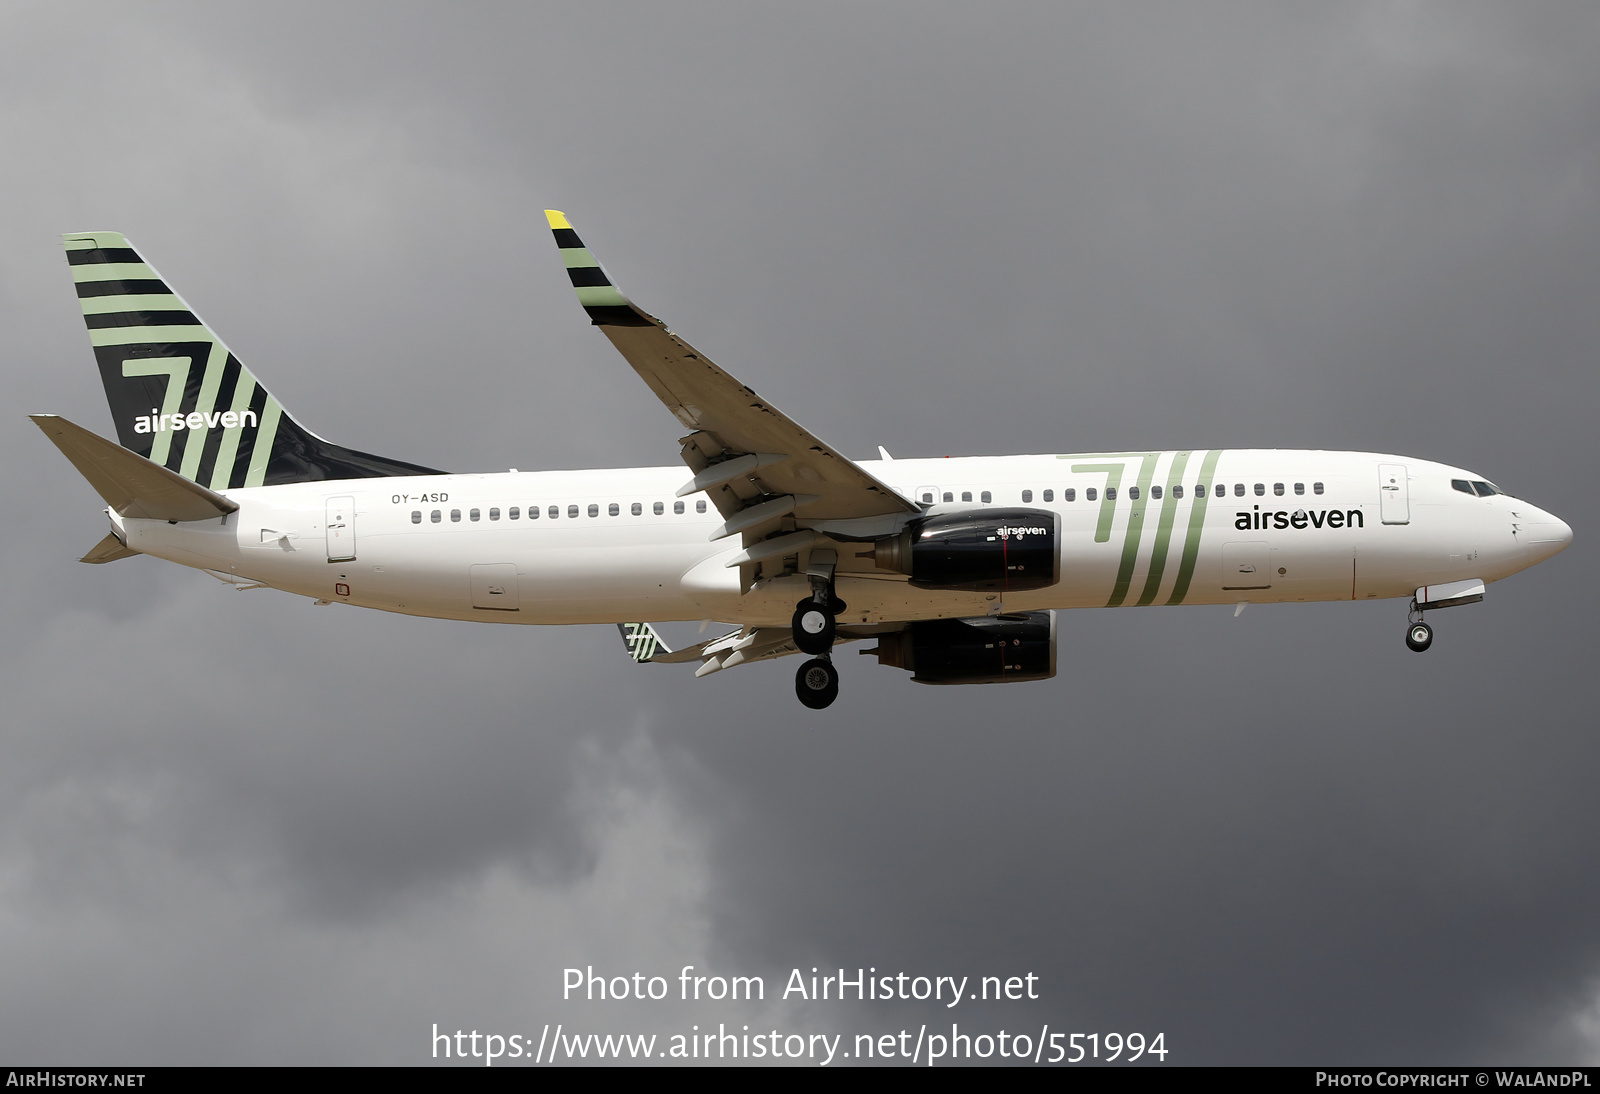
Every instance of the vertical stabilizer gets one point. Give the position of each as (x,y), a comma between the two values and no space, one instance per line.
(179,397)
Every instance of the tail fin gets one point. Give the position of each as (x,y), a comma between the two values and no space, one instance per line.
(179,398)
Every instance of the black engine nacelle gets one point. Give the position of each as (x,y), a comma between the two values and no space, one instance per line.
(983,550)
(1002,649)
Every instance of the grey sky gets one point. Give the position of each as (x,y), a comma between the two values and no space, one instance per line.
(239,828)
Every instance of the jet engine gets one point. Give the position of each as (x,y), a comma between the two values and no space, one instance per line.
(1002,649)
(982,550)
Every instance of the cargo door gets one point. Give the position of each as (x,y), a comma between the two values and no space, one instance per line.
(341,526)
(494,587)
(1247,565)
(1394,494)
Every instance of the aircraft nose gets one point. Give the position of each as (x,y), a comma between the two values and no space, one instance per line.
(1544,534)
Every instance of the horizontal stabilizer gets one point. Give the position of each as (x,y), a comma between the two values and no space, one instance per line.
(644,644)
(108,550)
(131,484)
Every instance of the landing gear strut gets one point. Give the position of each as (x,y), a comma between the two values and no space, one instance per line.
(817,681)
(1419,636)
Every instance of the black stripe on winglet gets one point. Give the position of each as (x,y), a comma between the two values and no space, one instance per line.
(583,276)
(102,254)
(148,286)
(141,319)
(616,315)
(566,237)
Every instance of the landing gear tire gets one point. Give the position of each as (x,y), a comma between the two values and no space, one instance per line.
(813,627)
(817,683)
(1419,636)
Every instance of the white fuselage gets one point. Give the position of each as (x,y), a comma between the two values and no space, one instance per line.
(449,547)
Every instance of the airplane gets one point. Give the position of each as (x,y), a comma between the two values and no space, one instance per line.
(955,567)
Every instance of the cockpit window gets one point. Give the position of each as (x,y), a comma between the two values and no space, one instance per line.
(1485,489)
(1462,485)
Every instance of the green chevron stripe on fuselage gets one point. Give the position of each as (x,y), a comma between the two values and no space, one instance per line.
(1169,509)
(1197,519)
(1134,532)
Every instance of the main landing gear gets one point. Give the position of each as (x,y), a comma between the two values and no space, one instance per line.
(1419,636)
(817,681)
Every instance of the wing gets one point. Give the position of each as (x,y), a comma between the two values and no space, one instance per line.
(757,465)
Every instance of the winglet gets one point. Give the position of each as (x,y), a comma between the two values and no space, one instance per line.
(606,305)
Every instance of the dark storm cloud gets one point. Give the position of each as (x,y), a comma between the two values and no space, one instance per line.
(243,828)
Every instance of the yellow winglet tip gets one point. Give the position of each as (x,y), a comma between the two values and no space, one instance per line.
(557,218)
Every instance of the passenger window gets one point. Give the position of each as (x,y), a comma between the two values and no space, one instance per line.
(966,495)
(494,514)
(1238,489)
(700,506)
(1462,485)
(594,510)
(1027,495)
(1199,489)
(513,513)
(677,507)
(1177,491)
(1277,488)
(1090,494)
(1155,492)
(474,514)
(948,496)
(416,516)
(434,516)
(555,511)
(658,508)
(636,509)
(1070,494)
(985,497)
(1299,488)
(455,516)
(572,512)
(1049,495)
(1133,493)
(613,509)
(1316,488)
(1261,489)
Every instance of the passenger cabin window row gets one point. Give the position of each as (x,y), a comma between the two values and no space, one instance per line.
(554,512)
(1157,493)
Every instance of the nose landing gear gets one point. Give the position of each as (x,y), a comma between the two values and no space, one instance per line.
(1419,636)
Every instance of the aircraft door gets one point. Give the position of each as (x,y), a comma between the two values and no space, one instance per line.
(494,587)
(1394,494)
(341,528)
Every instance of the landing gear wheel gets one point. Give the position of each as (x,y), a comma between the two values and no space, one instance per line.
(1419,636)
(813,627)
(817,683)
